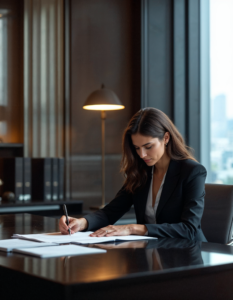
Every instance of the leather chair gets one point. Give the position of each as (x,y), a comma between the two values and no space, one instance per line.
(217,220)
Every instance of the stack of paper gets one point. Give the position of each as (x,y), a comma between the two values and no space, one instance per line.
(43,245)
(78,238)
(9,245)
(65,250)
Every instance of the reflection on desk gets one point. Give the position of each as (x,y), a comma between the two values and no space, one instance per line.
(163,253)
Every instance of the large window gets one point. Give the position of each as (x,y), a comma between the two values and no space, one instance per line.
(221,90)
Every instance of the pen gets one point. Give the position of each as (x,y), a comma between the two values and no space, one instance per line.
(67,219)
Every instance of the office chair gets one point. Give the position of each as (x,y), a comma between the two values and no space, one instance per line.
(218,214)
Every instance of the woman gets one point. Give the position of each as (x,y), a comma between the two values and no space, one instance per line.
(163,181)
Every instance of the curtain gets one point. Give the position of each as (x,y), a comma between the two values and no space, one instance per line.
(43,78)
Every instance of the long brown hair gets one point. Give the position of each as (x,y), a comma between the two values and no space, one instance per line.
(149,122)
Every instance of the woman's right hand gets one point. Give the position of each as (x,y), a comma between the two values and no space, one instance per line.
(74,224)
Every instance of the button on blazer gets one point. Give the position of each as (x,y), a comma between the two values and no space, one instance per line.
(180,207)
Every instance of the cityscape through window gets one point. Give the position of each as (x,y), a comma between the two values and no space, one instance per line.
(221,91)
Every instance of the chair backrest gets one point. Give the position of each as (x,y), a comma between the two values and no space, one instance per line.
(218,213)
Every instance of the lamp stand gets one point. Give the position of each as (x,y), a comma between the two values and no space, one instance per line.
(103,118)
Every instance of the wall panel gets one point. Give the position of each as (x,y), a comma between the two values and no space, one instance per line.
(157,55)
(11,71)
(104,50)
(171,64)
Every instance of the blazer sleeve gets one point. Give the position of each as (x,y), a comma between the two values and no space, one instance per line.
(111,212)
(193,195)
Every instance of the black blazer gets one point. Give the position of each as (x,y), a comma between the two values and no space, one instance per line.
(180,207)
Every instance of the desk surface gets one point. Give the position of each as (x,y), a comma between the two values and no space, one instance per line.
(130,266)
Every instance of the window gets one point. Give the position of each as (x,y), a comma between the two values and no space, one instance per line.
(221,91)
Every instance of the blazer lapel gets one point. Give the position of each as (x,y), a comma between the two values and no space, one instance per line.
(140,200)
(170,183)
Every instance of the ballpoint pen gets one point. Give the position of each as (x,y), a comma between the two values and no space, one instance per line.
(66,214)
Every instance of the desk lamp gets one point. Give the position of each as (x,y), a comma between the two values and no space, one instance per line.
(103,100)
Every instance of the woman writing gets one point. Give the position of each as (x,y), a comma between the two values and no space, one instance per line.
(163,181)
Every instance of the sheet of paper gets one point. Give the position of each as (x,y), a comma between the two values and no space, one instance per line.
(134,238)
(78,238)
(97,240)
(93,240)
(63,250)
(55,237)
(8,245)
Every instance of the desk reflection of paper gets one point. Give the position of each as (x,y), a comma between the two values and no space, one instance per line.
(121,245)
(55,251)
(77,238)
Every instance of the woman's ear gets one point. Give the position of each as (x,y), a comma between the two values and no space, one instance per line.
(166,138)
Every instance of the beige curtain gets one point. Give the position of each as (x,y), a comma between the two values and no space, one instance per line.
(43,78)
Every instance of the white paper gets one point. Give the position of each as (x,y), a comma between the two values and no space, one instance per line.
(78,238)
(8,245)
(97,240)
(54,237)
(64,250)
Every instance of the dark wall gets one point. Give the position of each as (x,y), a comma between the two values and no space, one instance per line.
(171,64)
(148,53)
(105,49)
(157,55)
(11,96)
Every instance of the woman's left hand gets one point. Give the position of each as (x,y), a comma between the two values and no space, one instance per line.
(113,230)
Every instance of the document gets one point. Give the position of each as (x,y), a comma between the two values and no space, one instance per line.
(9,245)
(63,250)
(78,238)
(97,240)
(54,237)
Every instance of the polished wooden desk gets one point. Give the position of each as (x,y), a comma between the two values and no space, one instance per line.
(159,269)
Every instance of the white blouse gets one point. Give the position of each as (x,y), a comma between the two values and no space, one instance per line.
(150,213)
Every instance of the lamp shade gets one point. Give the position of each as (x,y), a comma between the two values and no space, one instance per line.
(103,99)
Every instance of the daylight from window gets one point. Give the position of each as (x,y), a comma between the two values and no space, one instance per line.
(221,90)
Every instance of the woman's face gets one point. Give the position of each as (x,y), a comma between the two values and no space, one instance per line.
(148,148)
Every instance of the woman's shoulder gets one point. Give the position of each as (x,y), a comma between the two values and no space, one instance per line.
(188,166)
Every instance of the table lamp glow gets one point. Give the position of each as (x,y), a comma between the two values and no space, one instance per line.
(103,100)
